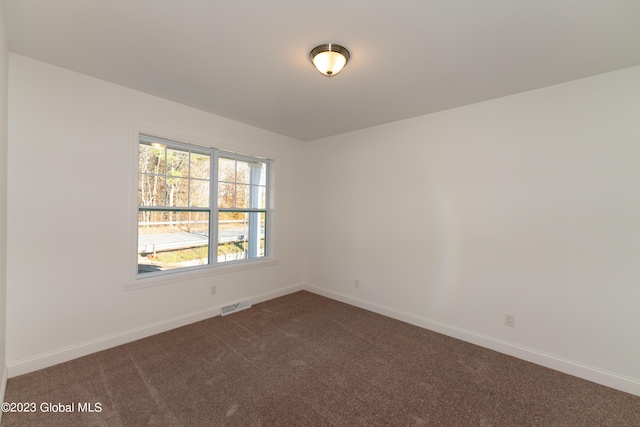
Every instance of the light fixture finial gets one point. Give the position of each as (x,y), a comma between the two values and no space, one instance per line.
(329,58)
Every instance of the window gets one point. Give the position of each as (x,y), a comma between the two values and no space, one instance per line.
(199,206)
(242,203)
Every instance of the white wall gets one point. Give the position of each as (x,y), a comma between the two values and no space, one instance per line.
(69,216)
(4,54)
(528,204)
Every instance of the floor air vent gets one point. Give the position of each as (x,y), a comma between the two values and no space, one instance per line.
(228,309)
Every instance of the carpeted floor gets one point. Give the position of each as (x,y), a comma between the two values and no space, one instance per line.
(307,360)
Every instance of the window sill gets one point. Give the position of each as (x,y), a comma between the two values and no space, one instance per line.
(181,276)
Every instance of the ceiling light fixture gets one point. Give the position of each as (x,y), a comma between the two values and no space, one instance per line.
(329,58)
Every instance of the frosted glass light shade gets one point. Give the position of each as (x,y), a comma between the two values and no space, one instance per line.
(329,59)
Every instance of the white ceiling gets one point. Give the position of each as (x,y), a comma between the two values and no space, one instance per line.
(248,59)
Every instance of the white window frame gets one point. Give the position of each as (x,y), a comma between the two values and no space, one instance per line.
(133,279)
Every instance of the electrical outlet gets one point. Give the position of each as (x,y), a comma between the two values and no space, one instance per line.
(356,283)
(214,290)
(510,319)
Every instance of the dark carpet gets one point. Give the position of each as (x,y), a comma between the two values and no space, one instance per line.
(307,360)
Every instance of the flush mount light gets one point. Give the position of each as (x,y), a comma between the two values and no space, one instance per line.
(329,58)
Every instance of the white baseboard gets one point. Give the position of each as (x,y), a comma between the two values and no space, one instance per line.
(589,373)
(65,354)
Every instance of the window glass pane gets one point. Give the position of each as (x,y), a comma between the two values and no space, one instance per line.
(242,196)
(200,166)
(150,190)
(261,174)
(144,158)
(227,170)
(226,195)
(177,192)
(261,218)
(243,173)
(231,226)
(177,163)
(151,159)
(241,235)
(199,193)
(259,197)
(170,240)
(142,200)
